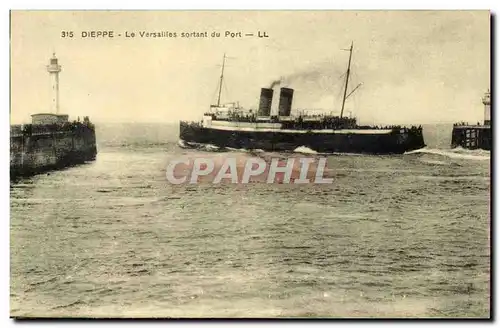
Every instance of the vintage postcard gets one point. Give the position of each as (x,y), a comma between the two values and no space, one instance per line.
(250,164)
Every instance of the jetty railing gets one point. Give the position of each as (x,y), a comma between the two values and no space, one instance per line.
(43,129)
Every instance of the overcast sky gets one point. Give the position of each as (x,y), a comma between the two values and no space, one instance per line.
(415,67)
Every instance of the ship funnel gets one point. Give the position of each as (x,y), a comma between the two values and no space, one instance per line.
(285,105)
(266,99)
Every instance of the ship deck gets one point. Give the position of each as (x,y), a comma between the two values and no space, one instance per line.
(299,131)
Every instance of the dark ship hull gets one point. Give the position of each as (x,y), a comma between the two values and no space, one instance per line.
(397,141)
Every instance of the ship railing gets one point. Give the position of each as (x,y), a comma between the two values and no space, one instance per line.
(193,123)
(397,128)
(466,124)
(463,124)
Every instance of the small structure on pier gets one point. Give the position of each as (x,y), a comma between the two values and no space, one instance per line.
(49,118)
(474,136)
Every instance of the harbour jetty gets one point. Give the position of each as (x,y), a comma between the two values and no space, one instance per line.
(51,141)
(476,136)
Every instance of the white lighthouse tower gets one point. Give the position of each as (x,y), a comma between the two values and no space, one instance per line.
(487,107)
(54,68)
(53,117)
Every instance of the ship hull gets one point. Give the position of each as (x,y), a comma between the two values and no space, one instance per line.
(395,142)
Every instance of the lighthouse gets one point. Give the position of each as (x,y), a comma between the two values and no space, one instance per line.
(53,117)
(487,109)
(54,69)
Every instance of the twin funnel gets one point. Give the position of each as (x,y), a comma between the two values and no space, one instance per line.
(266,99)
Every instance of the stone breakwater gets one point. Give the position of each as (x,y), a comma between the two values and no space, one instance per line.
(40,148)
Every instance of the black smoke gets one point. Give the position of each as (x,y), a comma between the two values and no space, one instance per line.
(274,83)
(320,75)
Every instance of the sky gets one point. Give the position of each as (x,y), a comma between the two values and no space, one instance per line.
(413,66)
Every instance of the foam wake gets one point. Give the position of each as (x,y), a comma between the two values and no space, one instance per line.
(199,146)
(459,153)
(309,151)
(304,150)
(181,143)
(245,150)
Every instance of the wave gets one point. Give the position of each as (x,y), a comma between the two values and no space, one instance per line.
(434,162)
(461,150)
(133,144)
(309,151)
(209,147)
(181,143)
(199,146)
(238,149)
(245,150)
(304,150)
(458,153)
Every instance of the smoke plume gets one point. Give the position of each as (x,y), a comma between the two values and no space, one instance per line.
(274,83)
(321,75)
(318,86)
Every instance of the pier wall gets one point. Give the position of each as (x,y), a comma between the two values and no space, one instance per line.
(471,137)
(35,149)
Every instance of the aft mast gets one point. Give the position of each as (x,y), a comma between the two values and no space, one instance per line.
(346,81)
(221,78)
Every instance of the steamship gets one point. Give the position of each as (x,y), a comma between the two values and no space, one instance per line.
(230,126)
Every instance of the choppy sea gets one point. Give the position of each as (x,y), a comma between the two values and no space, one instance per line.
(392,236)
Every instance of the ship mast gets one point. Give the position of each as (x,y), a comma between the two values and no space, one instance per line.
(221,78)
(346,81)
